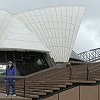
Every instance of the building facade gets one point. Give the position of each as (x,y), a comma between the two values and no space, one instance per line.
(50,30)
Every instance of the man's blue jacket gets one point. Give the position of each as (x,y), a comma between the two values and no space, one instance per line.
(10,72)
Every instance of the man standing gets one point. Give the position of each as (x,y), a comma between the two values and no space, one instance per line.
(10,71)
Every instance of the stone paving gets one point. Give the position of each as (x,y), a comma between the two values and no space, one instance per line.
(10,96)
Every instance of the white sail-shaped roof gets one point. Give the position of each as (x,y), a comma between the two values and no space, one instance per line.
(16,36)
(56,27)
(5,19)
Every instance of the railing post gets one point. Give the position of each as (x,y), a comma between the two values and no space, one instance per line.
(70,73)
(24,87)
(87,72)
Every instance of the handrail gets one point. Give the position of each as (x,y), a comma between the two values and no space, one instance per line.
(16,77)
(53,74)
(94,66)
(77,62)
(51,78)
(94,70)
(27,76)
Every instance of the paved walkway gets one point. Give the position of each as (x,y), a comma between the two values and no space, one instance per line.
(10,96)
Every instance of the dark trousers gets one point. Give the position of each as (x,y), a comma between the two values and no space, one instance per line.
(8,84)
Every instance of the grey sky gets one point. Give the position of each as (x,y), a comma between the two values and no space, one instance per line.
(89,33)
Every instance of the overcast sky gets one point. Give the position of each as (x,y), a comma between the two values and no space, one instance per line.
(89,32)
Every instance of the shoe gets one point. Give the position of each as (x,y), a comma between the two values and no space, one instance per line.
(6,95)
(14,95)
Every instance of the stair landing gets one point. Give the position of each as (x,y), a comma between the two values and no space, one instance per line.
(10,97)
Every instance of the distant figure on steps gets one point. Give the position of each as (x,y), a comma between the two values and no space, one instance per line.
(10,71)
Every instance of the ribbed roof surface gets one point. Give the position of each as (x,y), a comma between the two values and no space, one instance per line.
(16,36)
(51,29)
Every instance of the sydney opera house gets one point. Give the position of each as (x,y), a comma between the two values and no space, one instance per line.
(32,37)
(40,44)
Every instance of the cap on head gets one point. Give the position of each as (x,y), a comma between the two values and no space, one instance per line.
(10,62)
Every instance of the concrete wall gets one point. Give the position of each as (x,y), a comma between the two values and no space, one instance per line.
(72,94)
(89,93)
(78,93)
(55,97)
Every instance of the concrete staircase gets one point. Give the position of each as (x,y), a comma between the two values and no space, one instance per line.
(53,80)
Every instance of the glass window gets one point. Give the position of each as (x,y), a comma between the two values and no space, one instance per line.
(2,68)
(39,62)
